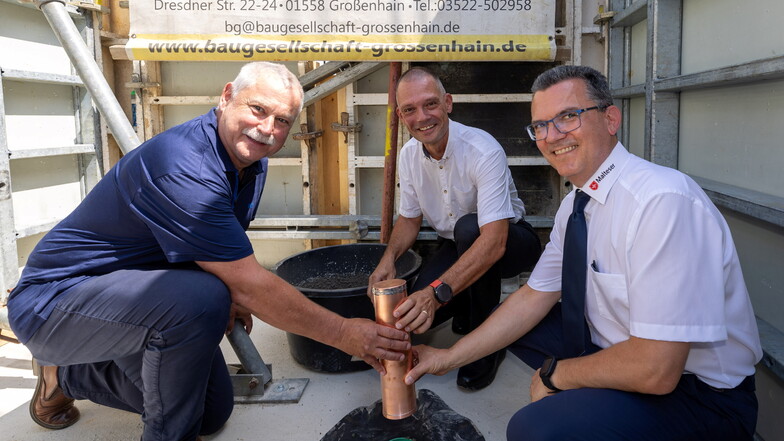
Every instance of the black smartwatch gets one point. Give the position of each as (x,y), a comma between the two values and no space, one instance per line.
(546,373)
(443,291)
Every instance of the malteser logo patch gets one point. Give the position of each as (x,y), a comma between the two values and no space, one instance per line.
(595,184)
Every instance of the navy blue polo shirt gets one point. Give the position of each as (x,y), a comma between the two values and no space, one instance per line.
(175,199)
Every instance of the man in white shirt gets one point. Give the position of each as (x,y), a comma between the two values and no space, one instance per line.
(456,177)
(670,336)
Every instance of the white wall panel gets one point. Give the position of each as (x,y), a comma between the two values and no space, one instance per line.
(282,192)
(44,189)
(735,136)
(760,248)
(719,33)
(39,115)
(28,43)
(638,52)
(25,246)
(269,252)
(637,126)
(176,115)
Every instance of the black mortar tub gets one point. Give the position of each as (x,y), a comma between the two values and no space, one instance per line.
(336,278)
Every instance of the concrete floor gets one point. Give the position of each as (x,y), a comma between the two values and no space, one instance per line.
(327,399)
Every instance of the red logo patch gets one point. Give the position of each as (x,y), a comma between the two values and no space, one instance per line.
(594,185)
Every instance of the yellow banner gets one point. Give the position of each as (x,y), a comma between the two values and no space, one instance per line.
(342,48)
(342,30)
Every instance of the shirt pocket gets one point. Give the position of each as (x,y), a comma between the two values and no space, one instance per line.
(612,299)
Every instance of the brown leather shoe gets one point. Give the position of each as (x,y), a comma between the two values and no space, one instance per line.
(52,410)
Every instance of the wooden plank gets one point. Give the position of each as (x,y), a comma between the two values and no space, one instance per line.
(320,73)
(152,115)
(333,143)
(119,52)
(340,81)
(119,20)
(343,158)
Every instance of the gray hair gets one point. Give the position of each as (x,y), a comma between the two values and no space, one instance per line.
(418,72)
(252,71)
(596,83)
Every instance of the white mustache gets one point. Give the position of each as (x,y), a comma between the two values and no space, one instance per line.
(258,136)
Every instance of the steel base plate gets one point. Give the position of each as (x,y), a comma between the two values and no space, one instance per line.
(289,390)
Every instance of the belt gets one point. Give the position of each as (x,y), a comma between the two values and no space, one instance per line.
(746,385)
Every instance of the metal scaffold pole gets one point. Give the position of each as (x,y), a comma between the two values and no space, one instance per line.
(89,72)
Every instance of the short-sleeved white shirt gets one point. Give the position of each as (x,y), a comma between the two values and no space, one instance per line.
(662,266)
(472,177)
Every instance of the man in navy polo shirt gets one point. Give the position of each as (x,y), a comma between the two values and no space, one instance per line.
(125,302)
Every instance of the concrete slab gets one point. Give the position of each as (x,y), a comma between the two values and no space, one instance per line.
(327,399)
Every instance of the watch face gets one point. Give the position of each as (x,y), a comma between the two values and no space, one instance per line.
(443,293)
(548,366)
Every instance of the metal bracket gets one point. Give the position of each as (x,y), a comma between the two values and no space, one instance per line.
(345,127)
(252,378)
(248,388)
(306,136)
(359,228)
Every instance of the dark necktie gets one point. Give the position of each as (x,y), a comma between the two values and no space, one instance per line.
(573,273)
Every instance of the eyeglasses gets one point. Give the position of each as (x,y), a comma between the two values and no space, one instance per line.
(563,122)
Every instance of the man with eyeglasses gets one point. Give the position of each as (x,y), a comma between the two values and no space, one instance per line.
(457,177)
(665,341)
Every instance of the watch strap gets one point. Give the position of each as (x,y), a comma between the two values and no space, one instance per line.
(436,285)
(546,375)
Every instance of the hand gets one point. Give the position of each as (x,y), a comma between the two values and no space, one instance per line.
(427,360)
(383,271)
(373,342)
(416,313)
(538,389)
(238,312)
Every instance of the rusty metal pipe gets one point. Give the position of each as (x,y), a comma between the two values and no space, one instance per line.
(398,400)
(390,155)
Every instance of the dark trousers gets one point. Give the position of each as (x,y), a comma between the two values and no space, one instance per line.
(145,342)
(475,303)
(693,411)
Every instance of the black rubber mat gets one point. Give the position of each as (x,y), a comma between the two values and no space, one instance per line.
(432,421)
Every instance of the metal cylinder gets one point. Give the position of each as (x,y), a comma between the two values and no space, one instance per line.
(398,400)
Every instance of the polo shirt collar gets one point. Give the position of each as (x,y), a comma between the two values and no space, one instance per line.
(211,123)
(599,185)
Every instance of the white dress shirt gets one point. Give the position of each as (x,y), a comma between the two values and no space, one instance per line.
(472,177)
(661,265)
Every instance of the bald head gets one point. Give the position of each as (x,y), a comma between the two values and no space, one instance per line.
(417,74)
